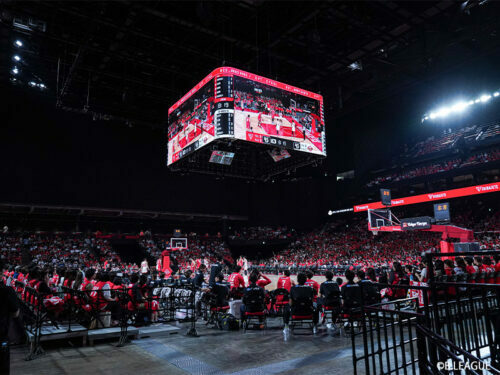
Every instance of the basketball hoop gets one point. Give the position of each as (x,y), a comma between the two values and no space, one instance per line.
(375,232)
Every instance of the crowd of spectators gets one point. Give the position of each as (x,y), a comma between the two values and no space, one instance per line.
(263,233)
(350,245)
(437,167)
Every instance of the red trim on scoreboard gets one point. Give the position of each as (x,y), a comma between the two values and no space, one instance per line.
(446,194)
(226,71)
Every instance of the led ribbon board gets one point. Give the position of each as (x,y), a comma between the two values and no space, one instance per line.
(422,198)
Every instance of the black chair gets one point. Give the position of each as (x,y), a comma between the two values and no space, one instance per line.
(255,310)
(280,299)
(302,314)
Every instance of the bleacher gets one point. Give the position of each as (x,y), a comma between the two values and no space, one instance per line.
(451,151)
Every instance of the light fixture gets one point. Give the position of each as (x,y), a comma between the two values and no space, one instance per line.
(356,65)
(16,58)
(32,84)
(15,70)
(459,106)
(485,98)
(18,43)
(41,85)
(330,213)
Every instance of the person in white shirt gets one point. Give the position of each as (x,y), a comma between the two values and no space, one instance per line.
(144,266)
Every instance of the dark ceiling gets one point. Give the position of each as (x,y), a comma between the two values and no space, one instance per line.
(132,60)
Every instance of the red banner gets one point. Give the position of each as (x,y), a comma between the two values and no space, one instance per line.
(447,194)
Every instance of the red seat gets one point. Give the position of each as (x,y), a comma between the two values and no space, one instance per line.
(302,316)
(221,308)
(258,313)
(352,316)
(328,308)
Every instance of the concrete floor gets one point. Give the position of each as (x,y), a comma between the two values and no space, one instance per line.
(214,352)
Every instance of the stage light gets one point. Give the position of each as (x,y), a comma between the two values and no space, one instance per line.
(18,43)
(41,85)
(32,84)
(330,213)
(442,112)
(459,106)
(485,98)
(15,70)
(16,58)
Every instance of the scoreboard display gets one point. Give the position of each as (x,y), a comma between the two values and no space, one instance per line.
(231,103)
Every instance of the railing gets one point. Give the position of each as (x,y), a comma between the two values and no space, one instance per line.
(69,310)
(453,328)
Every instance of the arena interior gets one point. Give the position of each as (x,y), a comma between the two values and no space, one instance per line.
(250,187)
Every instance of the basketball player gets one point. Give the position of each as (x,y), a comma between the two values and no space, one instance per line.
(245,265)
(249,125)
(293,128)
(278,128)
(259,119)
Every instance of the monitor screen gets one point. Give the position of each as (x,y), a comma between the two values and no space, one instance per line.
(221,157)
(271,114)
(231,103)
(191,124)
(279,154)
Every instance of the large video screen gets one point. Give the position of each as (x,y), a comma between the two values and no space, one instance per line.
(191,122)
(231,103)
(271,114)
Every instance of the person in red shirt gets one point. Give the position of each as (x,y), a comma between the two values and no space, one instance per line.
(478,262)
(470,269)
(496,258)
(489,269)
(236,280)
(249,126)
(263,281)
(285,282)
(313,284)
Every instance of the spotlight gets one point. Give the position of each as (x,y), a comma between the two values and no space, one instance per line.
(443,112)
(16,58)
(18,43)
(15,70)
(41,85)
(495,94)
(460,106)
(485,98)
(356,65)
(330,213)
(32,84)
